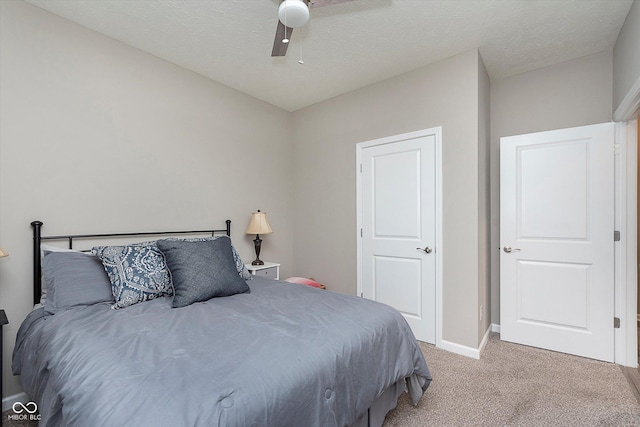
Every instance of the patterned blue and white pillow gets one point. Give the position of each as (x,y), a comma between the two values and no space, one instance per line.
(137,273)
(240,267)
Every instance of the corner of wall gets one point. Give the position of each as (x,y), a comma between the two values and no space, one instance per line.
(626,58)
(484,200)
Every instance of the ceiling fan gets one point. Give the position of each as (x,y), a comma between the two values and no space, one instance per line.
(293,14)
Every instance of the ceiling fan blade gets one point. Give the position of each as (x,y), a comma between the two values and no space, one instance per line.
(322,3)
(280,48)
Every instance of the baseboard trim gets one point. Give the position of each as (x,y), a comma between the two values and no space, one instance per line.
(7,402)
(463,350)
(484,341)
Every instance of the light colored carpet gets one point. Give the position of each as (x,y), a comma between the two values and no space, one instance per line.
(513,385)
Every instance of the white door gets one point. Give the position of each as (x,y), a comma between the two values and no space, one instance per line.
(557,234)
(398,219)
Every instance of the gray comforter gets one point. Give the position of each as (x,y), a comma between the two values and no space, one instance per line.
(282,355)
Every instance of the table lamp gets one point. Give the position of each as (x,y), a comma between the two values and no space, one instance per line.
(258,225)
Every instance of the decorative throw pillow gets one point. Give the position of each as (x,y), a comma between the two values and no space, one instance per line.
(137,273)
(240,267)
(74,278)
(305,281)
(201,270)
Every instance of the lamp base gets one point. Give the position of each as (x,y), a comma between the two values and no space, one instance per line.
(257,243)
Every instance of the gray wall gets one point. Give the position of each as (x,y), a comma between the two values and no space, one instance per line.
(443,94)
(626,56)
(573,93)
(98,136)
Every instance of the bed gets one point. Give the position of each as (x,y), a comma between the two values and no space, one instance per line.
(271,354)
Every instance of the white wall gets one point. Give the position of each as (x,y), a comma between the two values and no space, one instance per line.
(325,134)
(96,136)
(573,93)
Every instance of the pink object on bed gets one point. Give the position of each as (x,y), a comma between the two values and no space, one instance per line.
(305,281)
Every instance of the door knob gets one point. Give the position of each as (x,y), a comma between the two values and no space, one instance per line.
(509,249)
(427,250)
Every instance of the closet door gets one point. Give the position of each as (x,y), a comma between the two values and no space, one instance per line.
(398,235)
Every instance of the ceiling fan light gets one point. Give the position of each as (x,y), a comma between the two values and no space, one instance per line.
(293,13)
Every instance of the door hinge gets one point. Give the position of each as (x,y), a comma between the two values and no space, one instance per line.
(616,149)
(616,322)
(361,234)
(616,236)
(360,167)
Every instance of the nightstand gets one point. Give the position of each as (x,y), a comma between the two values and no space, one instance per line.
(270,270)
(3,321)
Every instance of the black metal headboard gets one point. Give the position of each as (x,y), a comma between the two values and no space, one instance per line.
(38,238)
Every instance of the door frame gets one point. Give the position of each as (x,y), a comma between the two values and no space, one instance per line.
(437,133)
(625,221)
(626,116)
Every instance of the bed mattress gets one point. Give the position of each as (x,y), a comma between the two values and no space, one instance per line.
(281,355)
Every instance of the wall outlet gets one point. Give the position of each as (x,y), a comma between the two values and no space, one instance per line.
(481,312)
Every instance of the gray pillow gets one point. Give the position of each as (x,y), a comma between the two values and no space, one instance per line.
(242,269)
(74,278)
(43,283)
(201,270)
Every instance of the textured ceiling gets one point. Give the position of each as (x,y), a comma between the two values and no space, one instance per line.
(349,45)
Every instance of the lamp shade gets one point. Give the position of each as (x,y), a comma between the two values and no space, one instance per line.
(3,253)
(259,224)
(293,13)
